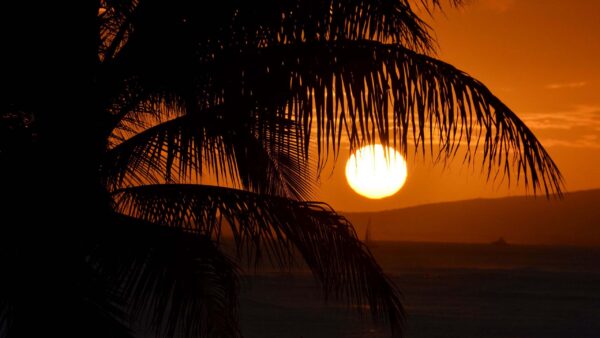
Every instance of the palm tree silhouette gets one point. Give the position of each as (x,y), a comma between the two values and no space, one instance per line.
(115,111)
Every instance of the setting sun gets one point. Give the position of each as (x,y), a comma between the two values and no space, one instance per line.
(373,173)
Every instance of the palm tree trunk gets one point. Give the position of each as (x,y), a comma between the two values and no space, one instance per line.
(55,191)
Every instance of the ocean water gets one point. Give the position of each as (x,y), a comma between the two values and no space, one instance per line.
(449,290)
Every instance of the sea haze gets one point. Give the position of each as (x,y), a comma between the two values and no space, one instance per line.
(450,290)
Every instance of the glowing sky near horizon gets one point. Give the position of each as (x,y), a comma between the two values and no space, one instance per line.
(540,58)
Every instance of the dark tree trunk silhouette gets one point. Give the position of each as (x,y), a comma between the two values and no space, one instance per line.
(52,71)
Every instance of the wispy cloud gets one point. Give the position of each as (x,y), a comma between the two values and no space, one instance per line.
(577,128)
(586,141)
(581,116)
(568,85)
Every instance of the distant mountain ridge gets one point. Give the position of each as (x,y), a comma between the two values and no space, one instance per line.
(572,220)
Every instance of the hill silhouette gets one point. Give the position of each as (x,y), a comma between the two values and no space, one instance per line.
(572,220)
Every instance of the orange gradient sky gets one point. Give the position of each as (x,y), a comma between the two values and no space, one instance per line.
(541,58)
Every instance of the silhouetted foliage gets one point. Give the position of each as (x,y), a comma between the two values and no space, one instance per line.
(107,142)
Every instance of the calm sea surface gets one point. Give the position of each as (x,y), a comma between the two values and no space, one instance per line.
(450,290)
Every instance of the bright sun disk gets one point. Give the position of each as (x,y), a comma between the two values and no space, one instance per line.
(373,173)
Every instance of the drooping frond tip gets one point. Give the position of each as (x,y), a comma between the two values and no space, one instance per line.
(177,282)
(276,227)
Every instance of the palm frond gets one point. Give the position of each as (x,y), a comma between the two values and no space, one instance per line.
(439,4)
(167,48)
(36,279)
(372,91)
(277,22)
(229,141)
(380,92)
(115,26)
(177,282)
(275,226)
(160,30)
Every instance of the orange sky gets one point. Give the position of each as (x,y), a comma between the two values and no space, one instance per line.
(541,58)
